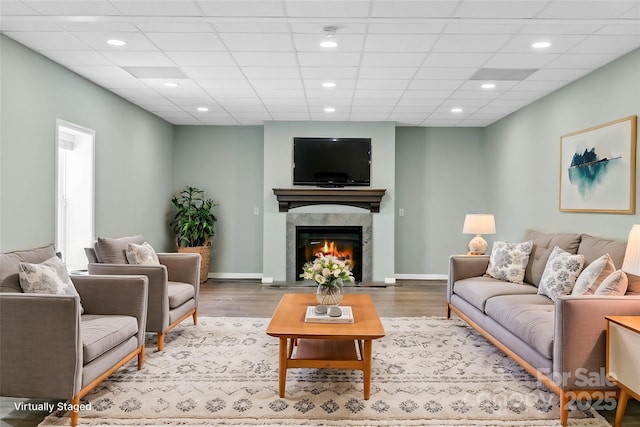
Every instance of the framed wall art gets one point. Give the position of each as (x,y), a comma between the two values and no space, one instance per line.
(598,168)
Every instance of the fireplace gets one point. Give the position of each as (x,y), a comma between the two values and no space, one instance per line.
(337,226)
(344,242)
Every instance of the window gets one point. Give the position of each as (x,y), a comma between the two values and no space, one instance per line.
(74,193)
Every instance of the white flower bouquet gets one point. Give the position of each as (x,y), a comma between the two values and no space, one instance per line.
(328,270)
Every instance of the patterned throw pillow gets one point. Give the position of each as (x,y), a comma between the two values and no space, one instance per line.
(560,273)
(48,277)
(593,275)
(508,261)
(615,284)
(142,254)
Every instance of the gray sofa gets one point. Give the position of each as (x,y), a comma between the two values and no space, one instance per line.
(49,350)
(562,343)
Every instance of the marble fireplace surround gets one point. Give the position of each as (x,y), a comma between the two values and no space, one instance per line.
(330,219)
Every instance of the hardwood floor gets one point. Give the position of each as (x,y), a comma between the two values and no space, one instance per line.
(251,299)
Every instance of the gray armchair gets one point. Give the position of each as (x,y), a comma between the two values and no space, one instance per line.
(49,350)
(174,285)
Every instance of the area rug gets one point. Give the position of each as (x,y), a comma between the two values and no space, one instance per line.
(224,371)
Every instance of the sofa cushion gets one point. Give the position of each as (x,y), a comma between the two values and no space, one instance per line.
(615,284)
(179,293)
(543,244)
(478,290)
(113,251)
(141,254)
(593,247)
(509,260)
(560,273)
(10,265)
(47,277)
(593,275)
(529,317)
(101,333)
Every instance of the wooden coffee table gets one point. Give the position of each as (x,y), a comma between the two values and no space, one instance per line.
(325,345)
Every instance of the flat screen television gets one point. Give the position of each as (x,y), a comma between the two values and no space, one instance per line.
(332,162)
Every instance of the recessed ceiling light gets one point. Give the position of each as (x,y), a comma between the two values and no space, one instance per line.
(329,109)
(329,43)
(203,109)
(114,42)
(541,45)
(328,84)
(456,110)
(171,84)
(488,85)
(329,40)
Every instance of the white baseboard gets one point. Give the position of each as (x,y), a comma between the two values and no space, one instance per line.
(421,277)
(231,276)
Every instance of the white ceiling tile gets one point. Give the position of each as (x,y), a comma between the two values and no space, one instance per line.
(254,26)
(632,28)
(406,28)
(231,93)
(435,84)
(158,84)
(174,27)
(291,115)
(479,27)
(284,84)
(202,59)
(331,8)
(317,27)
(120,83)
(577,61)
(175,93)
(260,59)
(271,72)
(271,93)
(368,93)
(405,59)
(72,7)
(103,71)
(520,60)
(417,94)
(76,57)
(560,27)
(224,84)
(387,72)
(131,59)
(498,9)
(440,60)
(445,73)
(311,42)
(254,8)
(329,94)
(560,43)
(324,72)
(212,72)
(597,9)
(26,26)
(187,41)
(470,43)
(342,85)
(134,92)
(337,59)
(250,42)
(16,8)
(607,44)
(98,40)
(157,8)
(558,74)
(47,40)
(399,42)
(404,8)
(385,84)
(541,86)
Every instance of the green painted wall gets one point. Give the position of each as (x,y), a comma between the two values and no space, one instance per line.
(523,153)
(440,177)
(226,162)
(134,150)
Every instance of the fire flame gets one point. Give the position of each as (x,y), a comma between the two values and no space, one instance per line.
(330,248)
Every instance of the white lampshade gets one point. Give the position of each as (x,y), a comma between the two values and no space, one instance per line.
(479,224)
(631,263)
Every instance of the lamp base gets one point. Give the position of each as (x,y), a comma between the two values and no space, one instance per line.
(477,246)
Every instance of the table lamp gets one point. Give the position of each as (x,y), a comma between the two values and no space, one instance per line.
(478,224)
(631,263)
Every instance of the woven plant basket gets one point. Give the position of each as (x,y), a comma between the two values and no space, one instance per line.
(205,258)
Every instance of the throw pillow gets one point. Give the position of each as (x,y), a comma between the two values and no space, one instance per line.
(615,284)
(142,254)
(508,261)
(112,251)
(593,275)
(48,277)
(560,273)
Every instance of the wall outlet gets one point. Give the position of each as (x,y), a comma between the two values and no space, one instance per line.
(389,280)
(400,212)
(256,211)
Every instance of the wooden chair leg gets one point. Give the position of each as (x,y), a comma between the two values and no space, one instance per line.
(75,402)
(195,316)
(564,408)
(448,311)
(160,341)
(141,357)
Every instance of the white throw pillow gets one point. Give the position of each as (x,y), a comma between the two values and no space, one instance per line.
(508,261)
(48,277)
(593,275)
(615,284)
(560,273)
(141,254)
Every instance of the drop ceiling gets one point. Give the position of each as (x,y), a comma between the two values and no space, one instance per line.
(251,61)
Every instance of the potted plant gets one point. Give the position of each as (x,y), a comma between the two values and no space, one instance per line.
(194,225)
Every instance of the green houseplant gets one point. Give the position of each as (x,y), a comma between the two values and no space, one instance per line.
(194,225)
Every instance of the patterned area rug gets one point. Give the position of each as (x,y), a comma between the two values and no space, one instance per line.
(224,371)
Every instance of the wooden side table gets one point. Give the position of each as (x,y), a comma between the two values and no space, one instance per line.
(623,359)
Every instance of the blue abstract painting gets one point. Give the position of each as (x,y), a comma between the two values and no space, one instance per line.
(597,168)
